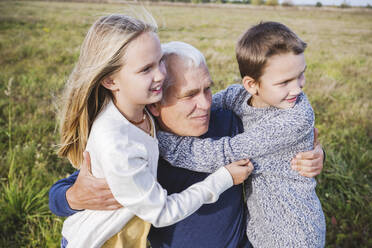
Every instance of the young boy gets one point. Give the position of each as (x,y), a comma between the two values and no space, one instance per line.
(284,210)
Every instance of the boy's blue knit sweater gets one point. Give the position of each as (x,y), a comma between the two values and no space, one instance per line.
(284,210)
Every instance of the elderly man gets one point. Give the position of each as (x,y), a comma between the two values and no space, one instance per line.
(185,111)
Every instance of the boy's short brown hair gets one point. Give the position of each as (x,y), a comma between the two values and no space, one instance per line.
(262,41)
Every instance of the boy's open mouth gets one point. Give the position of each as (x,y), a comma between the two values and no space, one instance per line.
(293,99)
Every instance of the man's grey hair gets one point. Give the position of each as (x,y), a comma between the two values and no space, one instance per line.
(192,56)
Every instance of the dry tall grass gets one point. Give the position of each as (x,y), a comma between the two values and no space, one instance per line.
(39,44)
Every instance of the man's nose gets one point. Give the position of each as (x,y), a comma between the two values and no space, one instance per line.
(205,100)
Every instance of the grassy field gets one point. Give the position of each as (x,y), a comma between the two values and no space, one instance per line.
(39,44)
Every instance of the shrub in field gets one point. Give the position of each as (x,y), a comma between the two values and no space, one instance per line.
(237,1)
(287,3)
(200,1)
(25,218)
(342,195)
(272,2)
(318,4)
(345,5)
(257,2)
(40,43)
(22,203)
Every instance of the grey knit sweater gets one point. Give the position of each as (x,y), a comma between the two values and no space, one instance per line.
(284,210)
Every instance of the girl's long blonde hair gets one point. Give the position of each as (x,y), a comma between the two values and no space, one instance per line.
(101,55)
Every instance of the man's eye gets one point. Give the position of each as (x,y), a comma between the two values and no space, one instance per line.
(190,96)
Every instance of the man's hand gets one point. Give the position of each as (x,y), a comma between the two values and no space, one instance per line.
(309,164)
(89,192)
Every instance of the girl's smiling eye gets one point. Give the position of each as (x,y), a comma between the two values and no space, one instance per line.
(150,66)
(146,69)
(284,83)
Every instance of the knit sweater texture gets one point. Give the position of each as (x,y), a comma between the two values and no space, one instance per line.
(284,210)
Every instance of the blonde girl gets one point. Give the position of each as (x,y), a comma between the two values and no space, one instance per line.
(119,71)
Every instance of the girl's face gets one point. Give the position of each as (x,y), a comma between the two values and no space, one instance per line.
(140,80)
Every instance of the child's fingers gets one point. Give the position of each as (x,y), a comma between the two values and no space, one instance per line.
(241,162)
(316,134)
(300,163)
(308,174)
(307,155)
(306,169)
(309,165)
(250,166)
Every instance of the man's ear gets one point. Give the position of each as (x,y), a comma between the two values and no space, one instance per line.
(250,85)
(154,108)
(109,84)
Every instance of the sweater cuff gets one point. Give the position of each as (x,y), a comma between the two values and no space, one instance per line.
(69,210)
(61,206)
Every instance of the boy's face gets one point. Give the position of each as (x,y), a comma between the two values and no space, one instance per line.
(281,82)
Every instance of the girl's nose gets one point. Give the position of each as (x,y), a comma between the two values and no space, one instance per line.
(161,73)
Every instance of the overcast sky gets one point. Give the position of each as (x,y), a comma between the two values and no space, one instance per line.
(333,2)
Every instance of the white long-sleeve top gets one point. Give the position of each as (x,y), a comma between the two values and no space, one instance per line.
(127,158)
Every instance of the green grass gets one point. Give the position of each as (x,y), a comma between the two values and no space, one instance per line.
(39,44)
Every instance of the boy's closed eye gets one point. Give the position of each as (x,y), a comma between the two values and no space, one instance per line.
(300,76)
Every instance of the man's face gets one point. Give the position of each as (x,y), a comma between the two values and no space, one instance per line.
(185,109)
